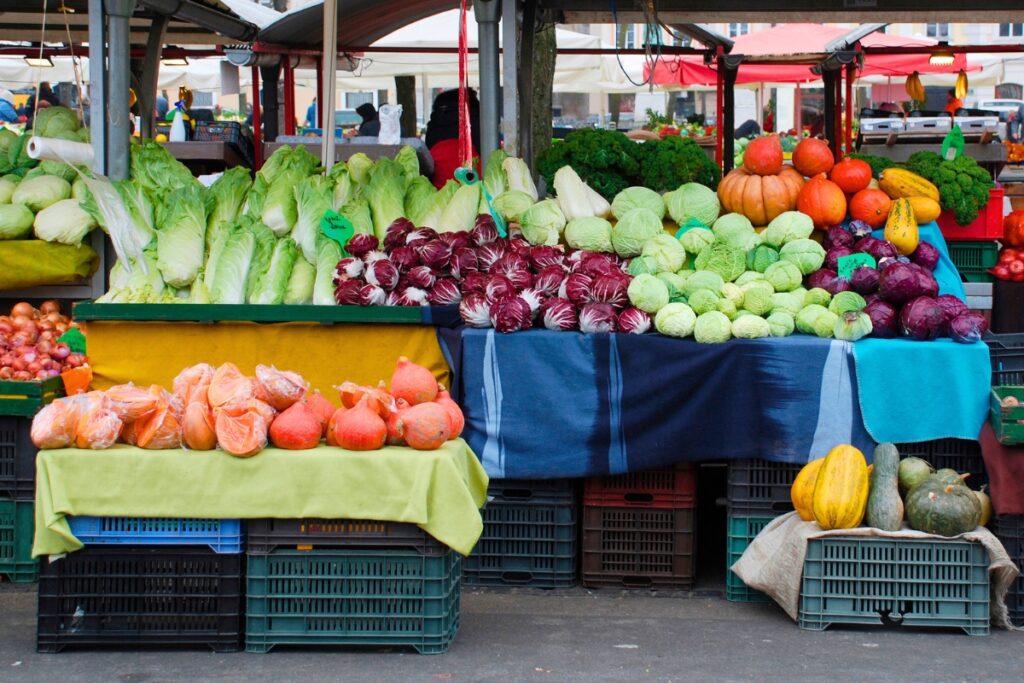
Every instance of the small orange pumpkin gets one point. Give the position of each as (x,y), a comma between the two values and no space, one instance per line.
(823,201)
(852,175)
(360,428)
(426,426)
(763,155)
(456,419)
(760,198)
(413,382)
(870,206)
(812,156)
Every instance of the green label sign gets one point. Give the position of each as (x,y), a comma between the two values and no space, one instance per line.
(337,227)
(848,264)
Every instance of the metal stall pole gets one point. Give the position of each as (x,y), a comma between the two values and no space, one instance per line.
(271,75)
(319,122)
(289,96)
(837,146)
(118,114)
(728,128)
(330,67)
(488,12)
(98,86)
(720,107)
(851,72)
(828,77)
(525,82)
(510,35)
(150,74)
(257,128)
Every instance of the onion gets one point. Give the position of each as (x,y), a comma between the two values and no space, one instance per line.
(34,367)
(22,376)
(6,327)
(6,373)
(23,309)
(50,306)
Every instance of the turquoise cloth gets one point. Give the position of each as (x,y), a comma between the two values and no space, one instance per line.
(918,391)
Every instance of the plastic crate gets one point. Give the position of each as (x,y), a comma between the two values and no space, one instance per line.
(17,458)
(638,548)
(1007,421)
(221,535)
(17,524)
(741,532)
(666,487)
(550,491)
(266,535)
(760,488)
(957,454)
(1007,354)
(973,259)
(26,398)
(987,226)
(219,131)
(525,543)
(141,596)
(858,580)
(371,597)
(1010,530)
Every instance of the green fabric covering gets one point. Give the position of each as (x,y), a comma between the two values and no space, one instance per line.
(441,491)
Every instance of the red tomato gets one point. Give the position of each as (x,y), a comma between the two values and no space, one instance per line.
(1002,272)
(1016,267)
(1009,253)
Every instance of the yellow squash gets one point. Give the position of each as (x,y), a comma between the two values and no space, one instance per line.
(926,210)
(899,182)
(901,227)
(802,490)
(841,489)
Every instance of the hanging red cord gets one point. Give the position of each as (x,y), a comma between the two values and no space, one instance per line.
(465,134)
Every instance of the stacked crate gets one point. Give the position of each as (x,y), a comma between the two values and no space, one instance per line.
(336,582)
(529,536)
(758,492)
(639,529)
(1010,531)
(19,402)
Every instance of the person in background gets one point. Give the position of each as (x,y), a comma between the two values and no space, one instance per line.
(748,129)
(46,94)
(7,112)
(1015,126)
(162,106)
(311,115)
(443,133)
(953,102)
(371,122)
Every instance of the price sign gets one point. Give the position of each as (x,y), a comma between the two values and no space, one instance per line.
(848,264)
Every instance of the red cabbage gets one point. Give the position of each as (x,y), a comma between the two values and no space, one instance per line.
(609,289)
(498,288)
(859,229)
(838,236)
(596,317)
(361,244)
(484,230)
(383,274)
(926,282)
(474,283)
(532,298)
(488,255)
(922,319)
(445,292)
(397,232)
(434,253)
(834,254)
(879,249)
(874,296)
(475,310)
(455,240)
(864,280)
(421,276)
(952,307)
(828,280)
(413,296)
(542,256)
(348,269)
(373,295)
(511,315)
(520,279)
(559,314)
(549,279)
(634,321)
(968,328)
(899,282)
(884,319)
(463,261)
(884,263)
(349,293)
(404,258)
(926,256)
(576,288)
(420,235)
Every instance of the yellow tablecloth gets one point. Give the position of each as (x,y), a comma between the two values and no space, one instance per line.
(326,355)
(441,491)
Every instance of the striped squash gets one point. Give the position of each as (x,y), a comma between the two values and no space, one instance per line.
(899,182)
(802,490)
(841,489)
(901,227)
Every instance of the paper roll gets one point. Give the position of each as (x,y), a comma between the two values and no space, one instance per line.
(74,153)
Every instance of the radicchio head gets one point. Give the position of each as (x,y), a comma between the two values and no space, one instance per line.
(475,311)
(597,318)
(559,314)
(634,321)
(360,244)
(511,315)
(445,292)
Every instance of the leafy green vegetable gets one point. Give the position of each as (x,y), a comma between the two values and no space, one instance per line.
(781,323)
(131,284)
(15,221)
(542,223)
(64,222)
(159,173)
(328,253)
(606,160)
(359,168)
(280,211)
(666,251)
(783,276)
(676,284)
(181,238)
(817,296)
(750,327)
(852,325)
(713,327)
(695,239)
(761,257)
(312,201)
(704,279)
(963,184)
(273,286)
(693,201)
(806,254)
(7,191)
(735,230)
(300,284)
(648,293)
(228,266)
(51,122)
(675,320)
(494,173)
(642,265)
(787,227)
(512,204)
(461,212)
(39,192)
(357,211)
(757,297)
(674,161)
(519,178)
(590,234)
(847,301)
(261,257)
(703,300)
(638,198)
(722,258)
(419,199)
(633,230)
(226,196)
(385,191)
(409,163)
(787,302)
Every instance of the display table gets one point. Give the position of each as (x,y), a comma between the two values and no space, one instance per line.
(441,491)
(206,155)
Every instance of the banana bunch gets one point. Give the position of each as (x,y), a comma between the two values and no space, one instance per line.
(961,84)
(914,87)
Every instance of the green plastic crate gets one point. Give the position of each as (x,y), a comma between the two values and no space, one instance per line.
(17,523)
(24,399)
(740,534)
(973,259)
(1007,422)
(859,580)
(366,597)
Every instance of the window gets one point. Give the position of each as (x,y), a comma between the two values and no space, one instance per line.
(202,98)
(682,40)
(355,99)
(738,29)
(939,31)
(652,35)
(1011,30)
(630,37)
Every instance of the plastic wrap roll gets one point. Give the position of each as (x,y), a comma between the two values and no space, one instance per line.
(74,153)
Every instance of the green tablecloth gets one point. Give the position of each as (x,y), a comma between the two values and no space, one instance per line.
(441,491)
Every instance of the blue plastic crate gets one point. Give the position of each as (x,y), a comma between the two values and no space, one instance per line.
(221,535)
(740,534)
(859,580)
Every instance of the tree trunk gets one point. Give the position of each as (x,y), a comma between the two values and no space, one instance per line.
(543,80)
(405,94)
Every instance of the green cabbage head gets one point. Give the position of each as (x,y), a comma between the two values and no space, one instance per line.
(713,327)
(633,230)
(589,234)
(638,198)
(648,293)
(693,201)
(675,320)
(669,256)
(750,327)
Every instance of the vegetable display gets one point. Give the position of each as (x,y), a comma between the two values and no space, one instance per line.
(30,346)
(962,185)
(221,407)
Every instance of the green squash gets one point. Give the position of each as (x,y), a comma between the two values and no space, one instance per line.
(950,476)
(912,471)
(885,507)
(939,507)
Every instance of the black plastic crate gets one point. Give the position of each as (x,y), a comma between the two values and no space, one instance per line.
(17,458)
(550,491)
(266,535)
(1007,354)
(957,454)
(219,131)
(141,596)
(760,488)
(638,547)
(1010,531)
(528,542)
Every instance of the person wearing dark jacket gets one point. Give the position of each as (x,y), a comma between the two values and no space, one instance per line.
(371,122)
(443,133)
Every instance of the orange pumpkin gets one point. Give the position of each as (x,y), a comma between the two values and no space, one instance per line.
(870,206)
(812,156)
(760,198)
(360,428)
(414,383)
(763,156)
(852,175)
(823,201)
(426,426)
(1013,228)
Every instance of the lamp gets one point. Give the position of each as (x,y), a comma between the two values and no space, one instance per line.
(943,56)
(44,62)
(175,61)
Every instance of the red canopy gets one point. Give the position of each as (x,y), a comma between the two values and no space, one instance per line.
(786,40)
